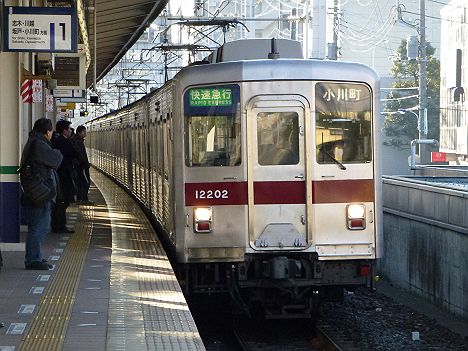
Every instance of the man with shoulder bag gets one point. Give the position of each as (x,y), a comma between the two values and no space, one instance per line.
(38,178)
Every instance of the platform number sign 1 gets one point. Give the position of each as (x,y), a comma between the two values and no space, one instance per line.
(40,29)
(60,30)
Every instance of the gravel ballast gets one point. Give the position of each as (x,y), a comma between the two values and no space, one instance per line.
(376,322)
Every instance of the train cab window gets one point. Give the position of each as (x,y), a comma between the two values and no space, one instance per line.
(212,126)
(278,138)
(214,141)
(343,123)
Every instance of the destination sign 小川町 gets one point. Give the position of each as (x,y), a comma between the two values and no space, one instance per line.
(210,97)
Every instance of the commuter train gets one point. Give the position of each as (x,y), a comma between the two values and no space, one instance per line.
(262,173)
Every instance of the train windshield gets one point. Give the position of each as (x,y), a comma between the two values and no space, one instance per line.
(343,123)
(212,126)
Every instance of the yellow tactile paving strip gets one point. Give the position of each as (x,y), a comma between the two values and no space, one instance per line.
(47,329)
(147,309)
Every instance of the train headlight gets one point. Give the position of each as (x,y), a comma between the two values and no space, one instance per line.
(356,216)
(202,219)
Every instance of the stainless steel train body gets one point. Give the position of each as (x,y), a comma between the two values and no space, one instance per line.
(263,175)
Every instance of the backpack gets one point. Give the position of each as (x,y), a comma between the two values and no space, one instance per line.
(36,191)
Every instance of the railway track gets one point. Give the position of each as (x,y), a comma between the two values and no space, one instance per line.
(289,336)
(221,331)
(326,338)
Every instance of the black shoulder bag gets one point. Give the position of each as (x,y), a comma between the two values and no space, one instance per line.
(36,191)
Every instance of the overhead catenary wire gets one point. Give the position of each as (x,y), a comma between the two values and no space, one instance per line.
(371,39)
(401,88)
(364,5)
(400,98)
(433,17)
(442,3)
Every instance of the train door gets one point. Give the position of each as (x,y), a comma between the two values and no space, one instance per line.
(277,173)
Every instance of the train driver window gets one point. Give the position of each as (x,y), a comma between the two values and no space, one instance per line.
(214,141)
(278,138)
(343,123)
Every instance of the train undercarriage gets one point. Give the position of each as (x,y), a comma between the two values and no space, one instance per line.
(278,287)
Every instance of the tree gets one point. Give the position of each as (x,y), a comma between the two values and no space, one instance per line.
(400,129)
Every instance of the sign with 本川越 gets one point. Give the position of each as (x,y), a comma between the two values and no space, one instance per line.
(40,29)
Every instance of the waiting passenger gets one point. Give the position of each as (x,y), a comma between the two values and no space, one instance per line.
(66,194)
(43,160)
(82,168)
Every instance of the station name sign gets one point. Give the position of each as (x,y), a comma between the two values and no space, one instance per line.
(40,29)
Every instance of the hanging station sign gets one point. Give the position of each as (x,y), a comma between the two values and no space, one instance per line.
(39,29)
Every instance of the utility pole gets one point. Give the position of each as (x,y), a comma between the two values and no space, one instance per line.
(307,30)
(336,24)
(332,48)
(422,79)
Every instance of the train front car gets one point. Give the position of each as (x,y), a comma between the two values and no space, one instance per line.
(281,181)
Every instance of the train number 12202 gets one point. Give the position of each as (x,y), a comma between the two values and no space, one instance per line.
(211,194)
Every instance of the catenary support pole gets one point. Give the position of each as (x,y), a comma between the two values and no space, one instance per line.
(422,78)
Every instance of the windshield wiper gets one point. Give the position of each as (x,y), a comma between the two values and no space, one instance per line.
(342,166)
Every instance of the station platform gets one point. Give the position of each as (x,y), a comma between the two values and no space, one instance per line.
(112,286)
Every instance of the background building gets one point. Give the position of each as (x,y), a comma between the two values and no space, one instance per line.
(454,76)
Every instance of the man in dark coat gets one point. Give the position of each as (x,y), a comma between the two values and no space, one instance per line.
(82,168)
(66,192)
(43,160)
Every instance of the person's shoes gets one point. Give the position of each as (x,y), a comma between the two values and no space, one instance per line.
(63,231)
(44,260)
(86,202)
(39,266)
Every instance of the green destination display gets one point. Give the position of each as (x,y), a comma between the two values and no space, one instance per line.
(210,97)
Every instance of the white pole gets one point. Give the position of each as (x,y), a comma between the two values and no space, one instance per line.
(307,30)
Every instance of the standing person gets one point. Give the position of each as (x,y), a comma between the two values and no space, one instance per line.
(39,155)
(66,192)
(82,169)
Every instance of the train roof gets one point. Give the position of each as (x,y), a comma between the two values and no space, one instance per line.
(251,49)
(276,69)
(267,70)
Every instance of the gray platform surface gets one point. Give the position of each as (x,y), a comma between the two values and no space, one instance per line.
(127,298)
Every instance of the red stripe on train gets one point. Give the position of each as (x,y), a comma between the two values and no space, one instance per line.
(269,193)
(336,191)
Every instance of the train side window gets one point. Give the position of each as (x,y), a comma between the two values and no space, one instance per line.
(278,138)
(343,123)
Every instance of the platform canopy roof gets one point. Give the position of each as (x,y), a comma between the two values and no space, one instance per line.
(118,26)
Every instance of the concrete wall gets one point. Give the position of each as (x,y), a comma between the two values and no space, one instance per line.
(426,241)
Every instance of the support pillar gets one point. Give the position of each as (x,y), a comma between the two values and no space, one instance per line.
(9,148)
